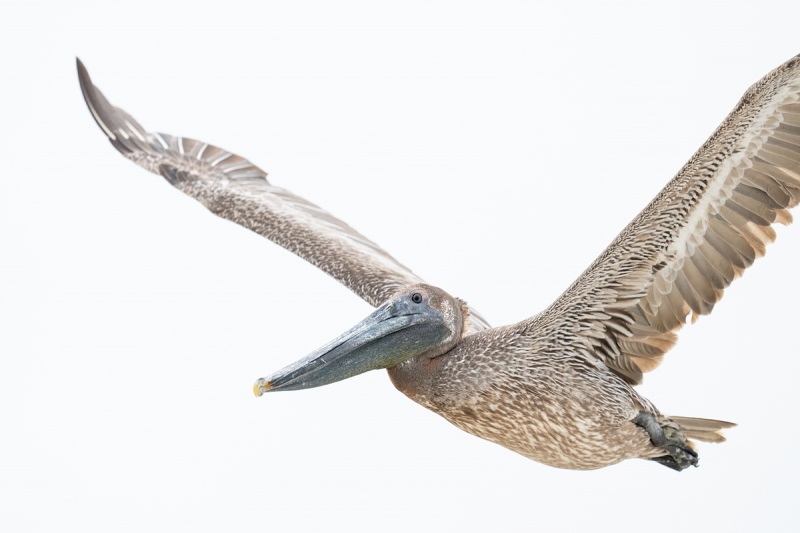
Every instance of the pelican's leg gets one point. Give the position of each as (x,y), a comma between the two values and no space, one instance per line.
(679,454)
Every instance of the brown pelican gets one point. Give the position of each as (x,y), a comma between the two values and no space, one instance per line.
(556,387)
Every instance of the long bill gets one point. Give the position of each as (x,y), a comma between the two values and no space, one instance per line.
(396,331)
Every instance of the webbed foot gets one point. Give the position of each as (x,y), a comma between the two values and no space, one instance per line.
(680,454)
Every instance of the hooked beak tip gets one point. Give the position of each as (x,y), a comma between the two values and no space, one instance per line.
(261,386)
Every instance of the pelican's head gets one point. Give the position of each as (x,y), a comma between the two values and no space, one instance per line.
(421,320)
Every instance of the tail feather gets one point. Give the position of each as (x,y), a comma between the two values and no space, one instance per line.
(702,429)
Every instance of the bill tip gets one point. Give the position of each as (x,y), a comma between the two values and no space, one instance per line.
(260,387)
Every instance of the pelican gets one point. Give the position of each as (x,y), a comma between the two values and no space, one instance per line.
(556,387)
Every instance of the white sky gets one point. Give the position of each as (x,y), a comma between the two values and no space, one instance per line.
(495,148)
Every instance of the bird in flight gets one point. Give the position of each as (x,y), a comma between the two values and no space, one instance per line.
(556,387)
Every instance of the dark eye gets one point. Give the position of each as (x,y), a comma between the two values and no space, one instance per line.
(416,298)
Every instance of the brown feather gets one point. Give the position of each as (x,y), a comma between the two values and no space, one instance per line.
(710,223)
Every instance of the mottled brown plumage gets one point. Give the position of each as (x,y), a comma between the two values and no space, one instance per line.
(556,387)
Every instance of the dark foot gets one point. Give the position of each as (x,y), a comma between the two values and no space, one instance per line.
(679,454)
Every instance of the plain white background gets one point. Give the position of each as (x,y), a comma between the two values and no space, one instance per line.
(494,147)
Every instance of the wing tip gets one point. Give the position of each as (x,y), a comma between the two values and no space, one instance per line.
(85,81)
(95,101)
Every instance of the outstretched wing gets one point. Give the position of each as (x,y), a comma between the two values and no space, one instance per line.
(699,234)
(234,188)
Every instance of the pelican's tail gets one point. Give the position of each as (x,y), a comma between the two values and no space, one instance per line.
(702,429)
(670,437)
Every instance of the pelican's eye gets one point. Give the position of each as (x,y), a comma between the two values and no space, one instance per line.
(416,298)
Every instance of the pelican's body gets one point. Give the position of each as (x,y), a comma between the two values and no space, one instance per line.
(538,400)
(556,387)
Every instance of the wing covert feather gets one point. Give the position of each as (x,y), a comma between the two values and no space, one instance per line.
(710,222)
